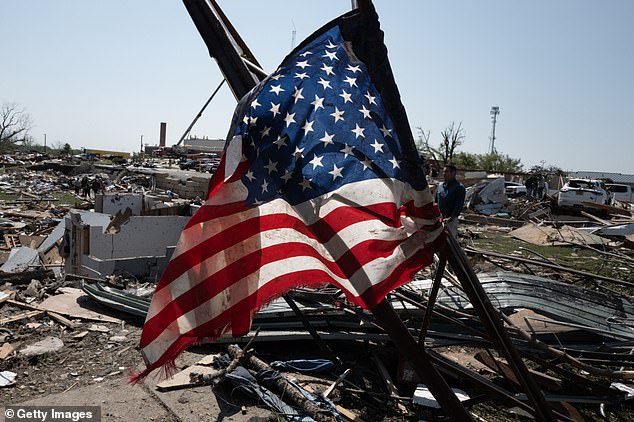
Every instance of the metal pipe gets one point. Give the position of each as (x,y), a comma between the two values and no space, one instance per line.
(200,113)
(488,315)
(392,324)
(433,294)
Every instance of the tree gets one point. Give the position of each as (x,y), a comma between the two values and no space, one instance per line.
(452,138)
(423,144)
(466,160)
(494,162)
(67,149)
(15,124)
(499,163)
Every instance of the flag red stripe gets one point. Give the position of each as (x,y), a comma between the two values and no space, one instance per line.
(209,287)
(248,306)
(322,230)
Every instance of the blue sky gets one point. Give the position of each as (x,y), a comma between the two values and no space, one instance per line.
(101,74)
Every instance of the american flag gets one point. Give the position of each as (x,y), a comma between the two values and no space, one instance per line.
(315,187)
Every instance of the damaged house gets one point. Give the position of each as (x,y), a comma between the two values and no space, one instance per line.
(122,239)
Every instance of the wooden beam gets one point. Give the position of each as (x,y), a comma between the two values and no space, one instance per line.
(18,317)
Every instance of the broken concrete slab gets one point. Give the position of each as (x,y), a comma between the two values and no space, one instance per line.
(7,378)
(182,380)
(20,259)
(617,230)
(550,236)
(424,397)
(118,400)
(76,304)
(7,350)
(48,345)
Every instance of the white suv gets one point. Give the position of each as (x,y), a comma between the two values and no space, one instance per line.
(583,192)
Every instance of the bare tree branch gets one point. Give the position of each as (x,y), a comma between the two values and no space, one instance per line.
(15,124)
(452,138)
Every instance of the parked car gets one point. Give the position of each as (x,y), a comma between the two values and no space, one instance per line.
(514,189)
(188,165)
(621,193)
(576,192)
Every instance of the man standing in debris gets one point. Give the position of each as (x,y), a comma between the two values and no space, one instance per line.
(531,187)
(541,183)
(450,197)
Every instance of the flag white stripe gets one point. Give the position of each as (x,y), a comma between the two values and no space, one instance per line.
(332,250)
(376,270)
(364,193)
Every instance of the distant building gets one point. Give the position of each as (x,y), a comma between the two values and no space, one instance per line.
(623,179)
(204,145)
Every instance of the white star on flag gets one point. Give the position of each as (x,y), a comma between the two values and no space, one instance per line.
(358,131)
(386,131)
(365,112)
(337,115)
(370,98)
(308,127)
(318,103)
(351,81)
(336,172)
(271,167)
(324,83)
(277,89)
(275,109)
(327,69)
(265,132)
(332,55)
(290,118)
(347,150)
(316,161)
(305,184)
(298,94)
(378,147)
(327,139)
(346,97)
(280,142)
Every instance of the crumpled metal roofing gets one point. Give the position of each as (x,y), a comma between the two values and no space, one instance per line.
(609,314)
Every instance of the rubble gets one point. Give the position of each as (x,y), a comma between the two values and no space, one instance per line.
(77,278)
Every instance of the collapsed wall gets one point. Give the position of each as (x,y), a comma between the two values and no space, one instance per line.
(185,187)
(139,246)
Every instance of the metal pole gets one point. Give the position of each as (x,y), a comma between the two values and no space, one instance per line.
(495,110)
(200,113)
(440,270)
(487,314)
(394,327)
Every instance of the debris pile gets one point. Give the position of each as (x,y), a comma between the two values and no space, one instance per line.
(75,286)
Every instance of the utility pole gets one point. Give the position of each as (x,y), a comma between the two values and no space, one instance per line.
(294,34)
(495,110)
(45,143)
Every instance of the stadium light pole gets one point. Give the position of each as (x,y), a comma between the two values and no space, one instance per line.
(495,111)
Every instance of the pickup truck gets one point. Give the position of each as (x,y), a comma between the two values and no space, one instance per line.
(621,193)
(577,191)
